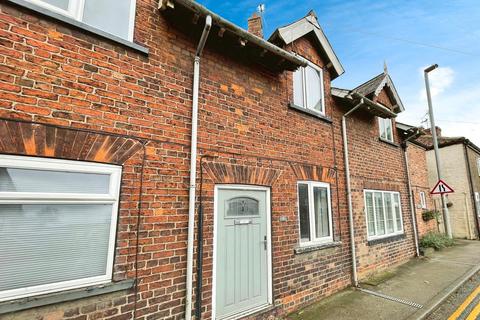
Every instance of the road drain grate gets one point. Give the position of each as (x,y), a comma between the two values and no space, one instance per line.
(384,296)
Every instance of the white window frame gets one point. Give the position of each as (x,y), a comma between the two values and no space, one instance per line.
(382,122)
(423,200)
(75,11)
(304,87)
(311,213)
(37,163)
(478,166)
(386,235)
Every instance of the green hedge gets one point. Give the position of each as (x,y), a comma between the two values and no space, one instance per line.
(436,241)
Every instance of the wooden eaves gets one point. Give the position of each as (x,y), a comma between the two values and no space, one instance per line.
(226,37)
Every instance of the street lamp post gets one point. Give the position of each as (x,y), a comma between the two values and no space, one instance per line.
(446,216)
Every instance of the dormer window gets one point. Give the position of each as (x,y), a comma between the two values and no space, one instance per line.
(308,88)
(386,129)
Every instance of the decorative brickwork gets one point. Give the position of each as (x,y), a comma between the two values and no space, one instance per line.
(225,173)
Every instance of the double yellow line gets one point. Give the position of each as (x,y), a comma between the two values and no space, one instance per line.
(474,314)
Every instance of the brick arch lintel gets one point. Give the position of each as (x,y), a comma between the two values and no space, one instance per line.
(241,174)
(313,173)
(43,140)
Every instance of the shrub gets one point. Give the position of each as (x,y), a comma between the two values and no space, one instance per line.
(436,241)
(429,215)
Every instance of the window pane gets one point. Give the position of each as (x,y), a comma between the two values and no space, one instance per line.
(320,200)
(242,207)
(380,213)
(314,87)
(61,4)
(304,214)
(387,197)
(44,244)
(396,207)
(381,123)
(388,128)
(298,87)
(27,180)
(370,213)
(112,16)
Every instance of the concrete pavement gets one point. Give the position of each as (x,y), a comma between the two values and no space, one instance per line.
(426,282)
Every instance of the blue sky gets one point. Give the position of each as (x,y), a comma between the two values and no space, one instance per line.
(365,33)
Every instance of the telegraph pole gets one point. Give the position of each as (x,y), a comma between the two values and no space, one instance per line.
(433,128)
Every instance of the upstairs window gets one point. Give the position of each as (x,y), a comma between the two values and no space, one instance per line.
(386,129)
(308,88)
(384,214)
(113,16)
(423,200)
(314,213)
(478,166)
(58,223)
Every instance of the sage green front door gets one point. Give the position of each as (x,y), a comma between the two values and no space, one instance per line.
(242,251)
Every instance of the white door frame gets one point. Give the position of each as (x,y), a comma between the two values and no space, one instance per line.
(269,242)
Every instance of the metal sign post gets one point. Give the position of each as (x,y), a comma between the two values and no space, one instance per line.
(446,216)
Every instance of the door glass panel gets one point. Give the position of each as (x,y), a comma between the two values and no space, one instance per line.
(304,213)
(44,181)
(389,213)
(242,206)
(380,213)
(320,200)
(298,87)
(61,4)
(396,206)
(370,213)
(314,86)
(112,16)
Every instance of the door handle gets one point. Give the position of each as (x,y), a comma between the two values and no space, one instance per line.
(265,242)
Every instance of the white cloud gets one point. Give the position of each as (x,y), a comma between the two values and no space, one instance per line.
(440,79)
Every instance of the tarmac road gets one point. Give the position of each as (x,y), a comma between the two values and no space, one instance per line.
(463,304)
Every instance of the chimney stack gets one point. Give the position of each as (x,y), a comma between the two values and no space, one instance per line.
(255,25)
(437,129)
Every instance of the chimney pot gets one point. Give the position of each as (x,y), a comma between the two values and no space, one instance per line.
(255,25)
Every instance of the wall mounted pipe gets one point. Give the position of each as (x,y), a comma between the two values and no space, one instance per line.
(349,192)
(193,167)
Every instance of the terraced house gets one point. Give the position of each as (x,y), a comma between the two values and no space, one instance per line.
(159,162)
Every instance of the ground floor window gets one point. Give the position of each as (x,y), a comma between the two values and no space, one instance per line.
(384,213)
(423,200)
(314,210)
(57,224)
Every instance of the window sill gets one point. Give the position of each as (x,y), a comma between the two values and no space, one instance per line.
(80,25)
(316,247)
(64,296)
(388,142)
(387,239)
(311,113)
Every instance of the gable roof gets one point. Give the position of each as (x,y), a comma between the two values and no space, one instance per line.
(306,25)
(375,85)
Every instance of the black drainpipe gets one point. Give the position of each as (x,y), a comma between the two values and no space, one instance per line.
(472,195)
(198,297)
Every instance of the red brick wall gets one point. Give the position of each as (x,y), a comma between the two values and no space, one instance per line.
(54,74)
(417,162)
(378,165)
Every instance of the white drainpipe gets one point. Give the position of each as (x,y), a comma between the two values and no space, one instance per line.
(349,192)
(193,167)
(412,205)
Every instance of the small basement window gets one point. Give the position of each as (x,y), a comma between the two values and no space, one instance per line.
(112,16)
(383,213)
(386,129)
(58,223)
(308,91)
(314,211)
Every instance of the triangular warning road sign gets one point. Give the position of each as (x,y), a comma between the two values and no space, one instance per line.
(441,187)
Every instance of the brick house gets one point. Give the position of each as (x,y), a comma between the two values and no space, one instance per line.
(421,197)
(460,164)
(96,143)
